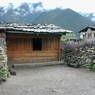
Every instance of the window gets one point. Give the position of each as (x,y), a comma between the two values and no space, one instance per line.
(37,44)
(84,36)
(89,35)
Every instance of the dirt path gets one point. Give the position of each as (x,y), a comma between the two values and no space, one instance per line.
(50,80)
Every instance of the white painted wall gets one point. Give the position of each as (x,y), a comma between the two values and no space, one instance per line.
(85,35)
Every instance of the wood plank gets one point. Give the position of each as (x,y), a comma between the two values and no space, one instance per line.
(19,48)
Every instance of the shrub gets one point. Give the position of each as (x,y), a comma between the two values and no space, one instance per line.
(4,73)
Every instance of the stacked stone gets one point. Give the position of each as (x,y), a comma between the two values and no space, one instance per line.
(78,55)
(3,55)
(3,59)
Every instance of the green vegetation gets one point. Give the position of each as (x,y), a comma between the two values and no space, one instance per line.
(4,73)
(92,67)
(68,36)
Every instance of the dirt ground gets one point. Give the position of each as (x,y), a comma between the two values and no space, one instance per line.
(49,80)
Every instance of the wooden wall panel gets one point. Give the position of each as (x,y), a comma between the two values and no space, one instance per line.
(19,49)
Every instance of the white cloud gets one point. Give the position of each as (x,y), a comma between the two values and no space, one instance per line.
(52,3)
(80,5)
(77,5)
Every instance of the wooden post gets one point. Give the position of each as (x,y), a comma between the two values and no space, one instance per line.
(59,49)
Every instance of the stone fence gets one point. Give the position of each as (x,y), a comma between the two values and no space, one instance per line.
(78,53)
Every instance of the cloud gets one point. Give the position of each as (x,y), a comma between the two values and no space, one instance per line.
(77,5)
(80,5)
(51,4)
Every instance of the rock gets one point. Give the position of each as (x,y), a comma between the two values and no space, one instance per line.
(88,60)
(1,57)
(1,65)
(12,72)
(93,61)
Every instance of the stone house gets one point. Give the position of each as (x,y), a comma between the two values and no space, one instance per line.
(27,43)
(87,33)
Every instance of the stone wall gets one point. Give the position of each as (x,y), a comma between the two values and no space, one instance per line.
(3,55)
(78,53)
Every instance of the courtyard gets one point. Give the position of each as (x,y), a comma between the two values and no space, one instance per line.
(49,80)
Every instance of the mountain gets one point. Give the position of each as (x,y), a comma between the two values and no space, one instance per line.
(66,18)
(25,13)
(34,13)
(91,16)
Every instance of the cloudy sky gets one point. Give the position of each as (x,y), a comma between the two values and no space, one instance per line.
(77,5)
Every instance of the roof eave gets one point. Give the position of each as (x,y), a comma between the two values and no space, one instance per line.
(85,29)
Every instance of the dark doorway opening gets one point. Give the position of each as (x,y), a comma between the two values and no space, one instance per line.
(37,43)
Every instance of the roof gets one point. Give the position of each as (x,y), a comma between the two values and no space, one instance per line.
(33,28)
(86,28)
